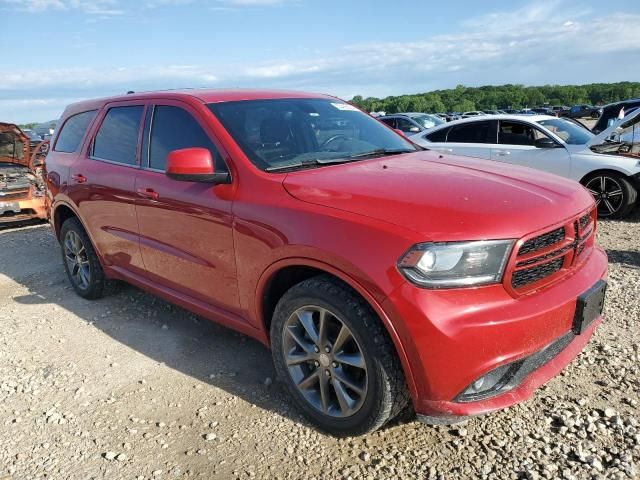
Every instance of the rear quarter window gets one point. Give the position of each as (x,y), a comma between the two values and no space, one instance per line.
(73,131)
(438,135)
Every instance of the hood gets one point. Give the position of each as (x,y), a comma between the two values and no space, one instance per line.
(444,197)
(14,145)
(630,124)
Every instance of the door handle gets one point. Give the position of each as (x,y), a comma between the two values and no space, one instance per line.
(79,178)
(503,153)
(447,150)
(148,193)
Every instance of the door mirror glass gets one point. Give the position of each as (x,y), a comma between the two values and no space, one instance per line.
(194,165)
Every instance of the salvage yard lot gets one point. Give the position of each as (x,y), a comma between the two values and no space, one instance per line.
(132,387)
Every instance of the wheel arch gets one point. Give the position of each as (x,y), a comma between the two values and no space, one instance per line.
(62,213)
(608,169)
(284,274)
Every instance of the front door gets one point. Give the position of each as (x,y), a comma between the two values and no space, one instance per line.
(516,145)
(186,236)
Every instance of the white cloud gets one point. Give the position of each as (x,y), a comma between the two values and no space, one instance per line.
(538,47)
(91,7)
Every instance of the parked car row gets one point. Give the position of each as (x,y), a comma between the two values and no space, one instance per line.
(411,123)
(608,164)
(384,277)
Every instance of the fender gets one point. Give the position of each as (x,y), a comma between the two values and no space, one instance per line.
(56,228)
(386,321)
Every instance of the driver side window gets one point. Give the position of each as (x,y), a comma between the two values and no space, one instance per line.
(516,133)
(405,125)
(173,128)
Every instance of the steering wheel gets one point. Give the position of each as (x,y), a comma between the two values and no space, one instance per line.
(332,139)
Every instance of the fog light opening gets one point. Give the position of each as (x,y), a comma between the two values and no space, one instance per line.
(490,384)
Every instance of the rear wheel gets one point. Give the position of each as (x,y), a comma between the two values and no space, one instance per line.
(80,260)
(333,354)
(613,193)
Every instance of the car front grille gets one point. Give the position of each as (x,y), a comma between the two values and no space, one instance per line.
(543,258)
(14,195)
(542,241)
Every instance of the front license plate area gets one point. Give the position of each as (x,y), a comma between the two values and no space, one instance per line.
(589,307)
(13,207)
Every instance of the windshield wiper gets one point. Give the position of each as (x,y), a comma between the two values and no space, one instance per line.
(306,163)
(310,162)
(382,152)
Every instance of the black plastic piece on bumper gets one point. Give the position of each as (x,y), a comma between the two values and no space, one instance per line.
(520,369)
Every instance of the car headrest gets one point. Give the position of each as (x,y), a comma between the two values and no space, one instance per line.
(273,130)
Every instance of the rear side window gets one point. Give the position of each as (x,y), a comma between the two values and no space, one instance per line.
(473,132)
(73,131)
(173,128)
(389,121)
(117,139)
(438,135)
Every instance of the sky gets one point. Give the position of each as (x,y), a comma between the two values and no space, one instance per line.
(60,51)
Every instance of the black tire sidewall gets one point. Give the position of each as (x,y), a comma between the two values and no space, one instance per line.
(96,274)
(629,193)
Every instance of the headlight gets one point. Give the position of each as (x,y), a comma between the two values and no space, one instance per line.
(456,264)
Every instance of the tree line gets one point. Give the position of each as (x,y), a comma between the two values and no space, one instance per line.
(464,99)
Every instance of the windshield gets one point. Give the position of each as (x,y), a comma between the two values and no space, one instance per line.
(428,121)
(568,131)
(301,131)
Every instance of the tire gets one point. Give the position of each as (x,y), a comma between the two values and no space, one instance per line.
(378,376)
(87,277)
(619,194)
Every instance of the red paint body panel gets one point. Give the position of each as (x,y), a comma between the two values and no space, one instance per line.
(213,249)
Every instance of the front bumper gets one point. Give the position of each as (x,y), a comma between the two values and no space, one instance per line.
(22,209)
(453,337)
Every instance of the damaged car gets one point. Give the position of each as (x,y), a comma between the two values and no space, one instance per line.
(21,182)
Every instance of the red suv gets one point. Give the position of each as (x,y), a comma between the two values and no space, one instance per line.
(382,276)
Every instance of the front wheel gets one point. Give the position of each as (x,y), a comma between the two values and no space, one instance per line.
(333,354)
(613,193)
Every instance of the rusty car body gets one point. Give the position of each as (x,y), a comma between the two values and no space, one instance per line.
(21,182)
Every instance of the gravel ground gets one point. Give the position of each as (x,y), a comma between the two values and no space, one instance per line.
(132,387)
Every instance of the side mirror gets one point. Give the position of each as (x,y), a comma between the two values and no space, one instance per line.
(194,165)
(545,142)
(414,130)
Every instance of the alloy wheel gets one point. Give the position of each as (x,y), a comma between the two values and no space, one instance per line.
(75,255)
(607,193)
(325,361)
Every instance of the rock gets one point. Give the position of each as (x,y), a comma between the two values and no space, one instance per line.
(110,455)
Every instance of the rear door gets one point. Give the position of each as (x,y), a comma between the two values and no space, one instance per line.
(101,184)
(186,234)
(516,145)
(472,139)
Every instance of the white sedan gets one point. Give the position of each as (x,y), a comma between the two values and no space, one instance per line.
(608,164)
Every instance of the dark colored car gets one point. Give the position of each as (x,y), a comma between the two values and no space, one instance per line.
(610,113)
(384,278)
(582,111)
(411,123)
